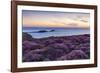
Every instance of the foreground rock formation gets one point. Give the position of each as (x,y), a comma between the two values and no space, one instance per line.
(74,47)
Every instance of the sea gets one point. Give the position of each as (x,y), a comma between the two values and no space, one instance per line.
(42,32)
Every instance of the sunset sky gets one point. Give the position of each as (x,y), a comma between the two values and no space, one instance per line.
(55,19)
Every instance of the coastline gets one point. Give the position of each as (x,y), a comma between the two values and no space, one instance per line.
(74,47)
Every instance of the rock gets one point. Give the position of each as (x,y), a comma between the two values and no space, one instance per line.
(30,57)
(39,51)
(25,50)
(52,30)
(52,53)
(79,39)
(42,31)
(46,59)
(30,45)
(26,36)
(61,46)
(74,55)
(59,40)
(48,42)
(84,47)
(56,48)
(71,46)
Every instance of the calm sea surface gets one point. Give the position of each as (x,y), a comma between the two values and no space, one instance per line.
(35,32)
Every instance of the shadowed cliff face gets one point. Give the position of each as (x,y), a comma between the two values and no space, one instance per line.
(74,47)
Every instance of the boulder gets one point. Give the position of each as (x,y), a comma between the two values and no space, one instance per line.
(39,51)
(59,40)
(74,55)
(52,53)
(26,36)
(84,47)
(61,46)
(30,45)
(30,57)
(48,42)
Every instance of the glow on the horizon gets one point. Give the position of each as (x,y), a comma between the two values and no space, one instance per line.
(55,19)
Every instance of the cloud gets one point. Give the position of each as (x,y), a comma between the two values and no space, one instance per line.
(84,20)
(55,19)
(72,25)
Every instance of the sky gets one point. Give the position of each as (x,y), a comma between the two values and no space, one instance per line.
(33,18)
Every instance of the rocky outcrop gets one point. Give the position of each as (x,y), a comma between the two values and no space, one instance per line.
(74,47)
(74,55)
(26,36)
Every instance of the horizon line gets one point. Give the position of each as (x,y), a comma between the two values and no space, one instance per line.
(52,27)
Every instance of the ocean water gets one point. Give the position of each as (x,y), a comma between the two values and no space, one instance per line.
(34,31)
